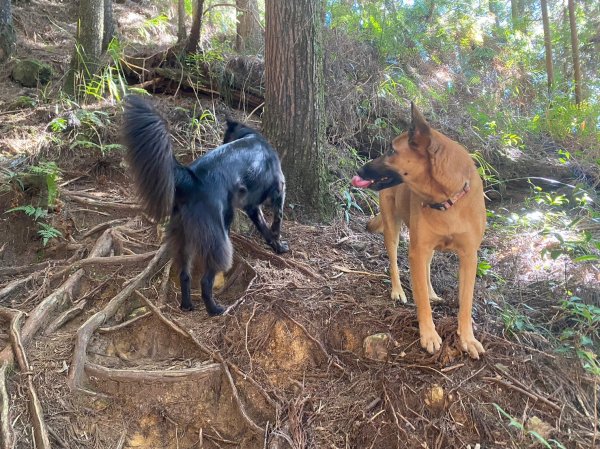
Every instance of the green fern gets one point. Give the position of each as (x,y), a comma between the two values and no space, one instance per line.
(30,210)
(47,233)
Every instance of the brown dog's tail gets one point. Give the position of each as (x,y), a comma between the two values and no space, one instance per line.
(375,224)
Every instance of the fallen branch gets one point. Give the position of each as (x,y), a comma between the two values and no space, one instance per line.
(114,260)
(40,433)
(534,396)
(97,203)
(277,260)
(349,271)
(103,226)
(14,271)
(146,376)
(6,435)
(109,329)
(84,333)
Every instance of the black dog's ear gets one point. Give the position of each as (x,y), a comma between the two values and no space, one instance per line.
(230,130)
(419,134)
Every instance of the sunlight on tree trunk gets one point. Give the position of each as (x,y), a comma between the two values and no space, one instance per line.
(248,38)
(88,46)
(8,37)
(548,44)
(194,38)
(294,117)
(575,51)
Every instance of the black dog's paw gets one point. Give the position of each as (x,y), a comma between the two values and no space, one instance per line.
(280,247)
(215,310)
(186,307)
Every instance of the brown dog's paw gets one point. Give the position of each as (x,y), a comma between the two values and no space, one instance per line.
(430,340)
(472,346)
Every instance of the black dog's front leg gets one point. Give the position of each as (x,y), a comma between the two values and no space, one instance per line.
(272,239)
(207,289)
(277,200)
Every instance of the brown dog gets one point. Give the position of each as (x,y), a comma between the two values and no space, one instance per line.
(430,183)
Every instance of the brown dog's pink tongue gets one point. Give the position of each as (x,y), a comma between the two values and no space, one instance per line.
(357,181)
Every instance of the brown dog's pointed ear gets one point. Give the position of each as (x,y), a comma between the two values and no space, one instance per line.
(419,134)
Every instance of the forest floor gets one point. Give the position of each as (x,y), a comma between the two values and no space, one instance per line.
(116,364)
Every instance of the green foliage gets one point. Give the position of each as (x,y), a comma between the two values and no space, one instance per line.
(51,174)
(45,231)
(154,25)
(31,211)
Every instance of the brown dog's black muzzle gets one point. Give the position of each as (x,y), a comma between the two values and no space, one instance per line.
(381,176)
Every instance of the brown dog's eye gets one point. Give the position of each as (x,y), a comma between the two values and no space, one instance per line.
(391,152)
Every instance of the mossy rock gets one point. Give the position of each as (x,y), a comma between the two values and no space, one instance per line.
(28,72)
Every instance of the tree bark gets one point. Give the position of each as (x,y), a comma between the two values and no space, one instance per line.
(109,24)
(294,99)
(88,46)
(8,38)
(514,13)
(194,38)
(181,31)
(248,38)
(575,51)
(547,44)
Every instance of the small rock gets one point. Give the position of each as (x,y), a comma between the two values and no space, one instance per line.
(28,72)
(542,428)
(435,397)
(375,347)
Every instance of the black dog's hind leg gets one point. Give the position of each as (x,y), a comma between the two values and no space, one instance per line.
(207,288)
(185,280)
(277,200)
(272,238)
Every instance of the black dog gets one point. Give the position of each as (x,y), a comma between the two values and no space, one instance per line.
(200,198)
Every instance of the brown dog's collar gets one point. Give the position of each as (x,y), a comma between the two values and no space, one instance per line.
(450,201)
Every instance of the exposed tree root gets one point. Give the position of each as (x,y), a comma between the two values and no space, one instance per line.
(16,284)
(6,435)
(103,226)
(81,199)
(277,260)
(40,432)
(65,317)
(60,298)
(222,362)
(85,332)
(148,376)
(530,394)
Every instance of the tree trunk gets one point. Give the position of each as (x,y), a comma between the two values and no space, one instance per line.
(575,51)
(109,24)
(181,32)
(194,38)
(8,37)
(514,13)
(88,46)
(294,117)
(248,39)
(547,44)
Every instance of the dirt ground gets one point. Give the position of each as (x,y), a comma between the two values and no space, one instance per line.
(116,364)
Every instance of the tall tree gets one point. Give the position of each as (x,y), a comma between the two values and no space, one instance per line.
(547,44)
(88,46)
(109,24)
(294,99)
(248,37)
(194,37)
(8,37)
(181,16)
(575,51)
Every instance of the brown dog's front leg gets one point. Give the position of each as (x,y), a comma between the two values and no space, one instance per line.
(466,277)
(418,259)
(391,237)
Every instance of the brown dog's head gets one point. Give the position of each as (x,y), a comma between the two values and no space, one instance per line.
(406,159)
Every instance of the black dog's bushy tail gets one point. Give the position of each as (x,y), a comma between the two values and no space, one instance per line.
(149,154)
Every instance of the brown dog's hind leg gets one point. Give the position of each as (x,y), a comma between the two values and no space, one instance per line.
(432,294)
(418,259)
(391,236)
(466,278)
